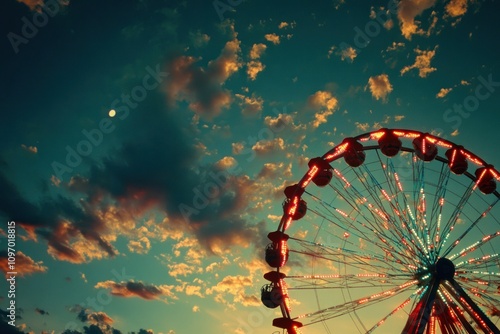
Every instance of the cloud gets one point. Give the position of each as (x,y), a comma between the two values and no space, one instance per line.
(198,39)
(422,63)
(41,312)
(250,106)
(325,103)
(281,122)
(193,290)
(380,86)
(264,147)
(254,67)
(226,163)
(257,50)
(24,264)
(348,53)
(408,10)
(286,25)
(443,92)
(234,286)
(59,220)
(456,8)
(31,149)
(180,269)
(275,171)
(273,38)
(140,246)
(395,46)
(202,87)
(237,148)
(196,308)
(362,126)
(94,318)
(322,100)
(138,289)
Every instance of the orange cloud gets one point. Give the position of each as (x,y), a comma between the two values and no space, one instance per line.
(380,86)
(202,87)
(456,8)
(24,265)
(250,105)
(32,149)
(254,67)
(422,63)
(443,92)
(257,50)
(137,289)
(326,103)
(408,10)
(273,38)
(263,147)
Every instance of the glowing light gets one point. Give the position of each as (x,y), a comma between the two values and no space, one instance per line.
(310,175)
(337,151)
(112,113)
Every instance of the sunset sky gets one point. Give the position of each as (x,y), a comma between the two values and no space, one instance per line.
(146,144)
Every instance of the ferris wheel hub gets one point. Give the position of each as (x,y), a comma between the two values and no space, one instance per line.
(445,269)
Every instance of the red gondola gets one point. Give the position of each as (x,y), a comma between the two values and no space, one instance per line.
(324,174)
(389,143)
(425,149)
(354,155)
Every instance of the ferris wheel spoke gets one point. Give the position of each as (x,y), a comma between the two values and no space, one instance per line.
(405,213)
(436,210)
(352,306)
(380,219)
(394,311)
(455,215)
(352,281)
(363,232)
(402,211)
(471,226)
(475,246)
(484,262)
(360,259)
(481,287)
(351,226)
(377,219)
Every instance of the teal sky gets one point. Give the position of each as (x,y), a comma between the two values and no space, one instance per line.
(146,144)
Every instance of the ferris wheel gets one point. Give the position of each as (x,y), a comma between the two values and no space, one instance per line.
(390,231)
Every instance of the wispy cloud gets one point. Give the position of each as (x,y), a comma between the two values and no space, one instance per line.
(422,63)
(443,92)
(25,265)
(138,289)
(325,104)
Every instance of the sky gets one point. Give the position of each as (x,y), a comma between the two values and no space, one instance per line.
(146,144)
